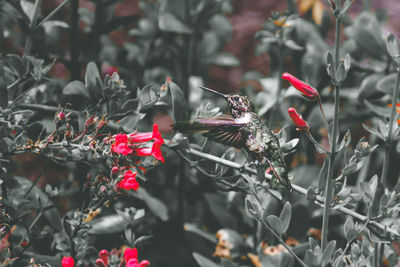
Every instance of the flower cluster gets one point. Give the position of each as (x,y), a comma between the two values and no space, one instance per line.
(136,143)
(129,259)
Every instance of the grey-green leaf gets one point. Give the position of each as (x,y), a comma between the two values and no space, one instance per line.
(76,88)
(169,23)
(276,224)
(179,106)
(393,49)
(285,216)
(386,84)
(93,81)
(203,261)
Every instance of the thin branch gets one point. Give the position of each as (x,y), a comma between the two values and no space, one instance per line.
(52,13)
(390,233)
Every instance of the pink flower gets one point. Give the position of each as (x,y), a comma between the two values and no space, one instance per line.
(129,182)
(306,90)
(67,262)
(298,120)
(121,145)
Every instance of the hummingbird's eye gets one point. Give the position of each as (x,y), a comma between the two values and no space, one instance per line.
(236,98)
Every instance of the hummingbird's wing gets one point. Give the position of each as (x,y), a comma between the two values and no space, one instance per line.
(222,129)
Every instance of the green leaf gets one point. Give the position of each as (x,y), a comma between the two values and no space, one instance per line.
(51,24)
(221,25)
(393,49)
(179,106)
(367,34)
(390,254)
(349,231)
(330,66)
(109,224)
(329,250)
(378,110)
(157,207)
(386,84)
(76,88)
(345,7)
(3,94)
(276,224)
(368,87)
(322,175)
(93,81)
(147,97)
(130,121)
(190,227)
(28,8)
(252,207)
(225,59)
(17,64)
(203,261)
(37,196)
(169,23)
(285,216)
(292,45)
(373,131)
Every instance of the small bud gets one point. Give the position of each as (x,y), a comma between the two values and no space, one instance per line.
(114,170)
(100,263)
(61,115)
(306,90)
(298,120)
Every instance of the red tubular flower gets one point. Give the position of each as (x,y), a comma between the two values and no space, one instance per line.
(145,137)
(154,151)
(121,145)
(103,255)
(130,253)
(306,90)
(135,263)
(129,182)
(298,120)
(67,262)
(131,258)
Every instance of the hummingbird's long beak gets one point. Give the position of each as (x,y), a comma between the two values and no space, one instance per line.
(213,91)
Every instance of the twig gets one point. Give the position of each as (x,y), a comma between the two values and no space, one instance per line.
(52,13)
(388,142)
(329,182)
(319,200)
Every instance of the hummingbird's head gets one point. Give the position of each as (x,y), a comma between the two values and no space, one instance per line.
(239,104)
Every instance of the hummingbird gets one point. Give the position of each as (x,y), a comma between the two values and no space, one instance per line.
(244,129)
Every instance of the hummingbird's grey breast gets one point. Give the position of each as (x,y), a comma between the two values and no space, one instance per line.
(261,142)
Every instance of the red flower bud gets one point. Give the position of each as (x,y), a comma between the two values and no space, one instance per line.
(306,90)
(103,255)
(114,170)
(298,120)
(61,115)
